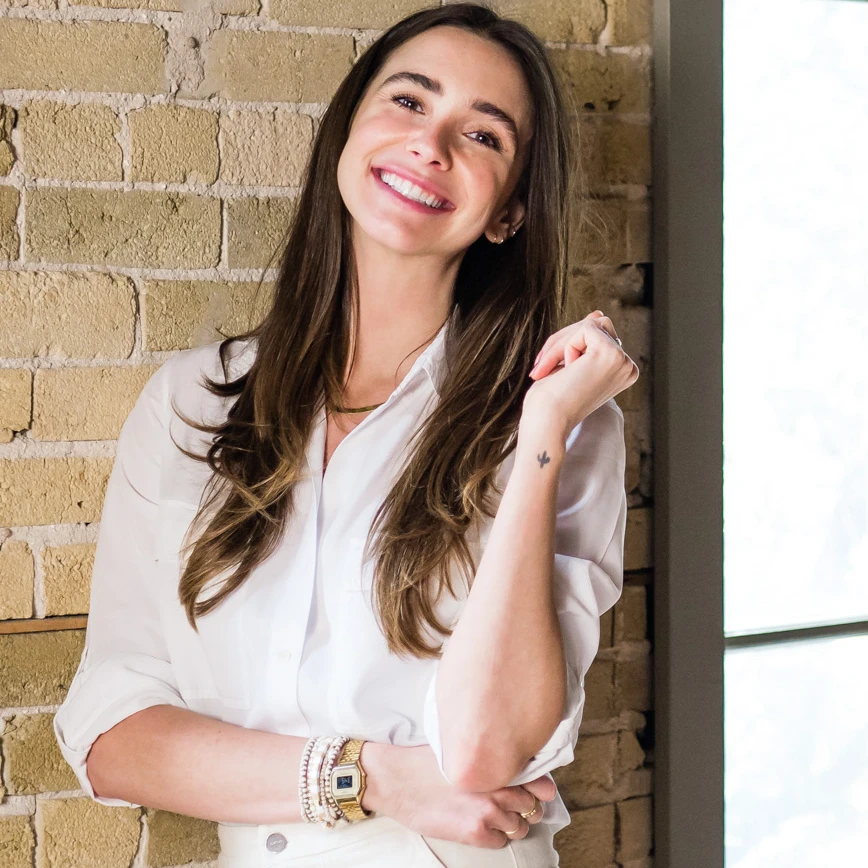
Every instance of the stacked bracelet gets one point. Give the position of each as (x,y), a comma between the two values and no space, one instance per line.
(318,758)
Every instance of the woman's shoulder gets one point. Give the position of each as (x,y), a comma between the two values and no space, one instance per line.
(186,369)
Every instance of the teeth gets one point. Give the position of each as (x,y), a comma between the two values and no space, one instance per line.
(410,191)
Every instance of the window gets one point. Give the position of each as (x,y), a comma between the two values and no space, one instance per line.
(761,433)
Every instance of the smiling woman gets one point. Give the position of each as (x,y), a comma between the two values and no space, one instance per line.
(331,542)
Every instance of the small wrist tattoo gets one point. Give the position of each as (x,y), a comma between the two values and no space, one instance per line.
(543,459)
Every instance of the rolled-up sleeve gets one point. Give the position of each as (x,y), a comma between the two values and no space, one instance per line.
(588,573)
(125,666)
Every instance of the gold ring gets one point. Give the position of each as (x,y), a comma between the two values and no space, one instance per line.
(533,810)
(514,830)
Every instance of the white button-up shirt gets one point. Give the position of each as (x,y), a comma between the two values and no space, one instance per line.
(296,649)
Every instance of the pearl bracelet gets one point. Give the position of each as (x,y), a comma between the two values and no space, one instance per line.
(319,757)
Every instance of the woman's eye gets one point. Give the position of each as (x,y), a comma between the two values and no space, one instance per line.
(493,142)
(400,97)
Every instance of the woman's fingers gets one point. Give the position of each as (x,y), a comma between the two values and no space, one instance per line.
(566,345)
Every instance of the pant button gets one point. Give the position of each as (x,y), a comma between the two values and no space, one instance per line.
(275,842)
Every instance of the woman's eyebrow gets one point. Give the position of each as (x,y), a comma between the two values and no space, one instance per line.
(479,105)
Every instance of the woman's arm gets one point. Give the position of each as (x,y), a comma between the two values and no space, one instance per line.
(501,681)
(510,682)
(177,760)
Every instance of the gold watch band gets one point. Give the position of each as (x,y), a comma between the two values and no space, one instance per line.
(352,805)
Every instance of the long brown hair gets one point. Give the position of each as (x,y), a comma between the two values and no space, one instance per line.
(509,299)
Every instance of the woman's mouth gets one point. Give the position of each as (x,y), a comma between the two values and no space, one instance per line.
(409,193)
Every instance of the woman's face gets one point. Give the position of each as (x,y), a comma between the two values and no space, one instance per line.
(425,129)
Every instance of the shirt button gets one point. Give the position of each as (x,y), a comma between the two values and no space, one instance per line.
(286,655)
(275,842)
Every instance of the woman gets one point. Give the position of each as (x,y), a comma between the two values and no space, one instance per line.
(267,611)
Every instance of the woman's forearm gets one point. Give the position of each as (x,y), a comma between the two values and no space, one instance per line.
(501,682)
(177,760)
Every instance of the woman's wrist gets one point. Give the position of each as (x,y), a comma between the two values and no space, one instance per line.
(374,758)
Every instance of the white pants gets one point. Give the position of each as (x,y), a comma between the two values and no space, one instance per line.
(378,842)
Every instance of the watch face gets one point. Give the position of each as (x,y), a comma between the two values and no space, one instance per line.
(345,781)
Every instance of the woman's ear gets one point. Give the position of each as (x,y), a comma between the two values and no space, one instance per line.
(508,222)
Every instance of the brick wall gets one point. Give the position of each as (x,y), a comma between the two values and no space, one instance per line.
(148,165)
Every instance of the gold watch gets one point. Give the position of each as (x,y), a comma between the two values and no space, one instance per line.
(347,781)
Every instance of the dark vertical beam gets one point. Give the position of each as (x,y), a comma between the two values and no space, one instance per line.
(688,433)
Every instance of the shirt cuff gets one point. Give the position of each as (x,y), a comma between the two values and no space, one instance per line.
(558,751)
(103,695)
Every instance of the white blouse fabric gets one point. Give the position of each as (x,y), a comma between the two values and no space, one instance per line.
(296,649)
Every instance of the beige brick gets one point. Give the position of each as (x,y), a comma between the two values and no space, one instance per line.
(152,5)
(638,397)
(615,152)
(633,323)
(8,229)
(17,841)
(145,228)
(606,621)
(631,22)
(33,4)
(104,56)
(52,490)
(630,753)
(78,142)
(75,833)
(237,7)
(610,288)
(8,117)
(557,20)
(256,230)
(638,540)
(14,402)
(638,435)
(635,825)
(631,621)
(85,403)
(16,580)
(599,691)
(66,315)
(37,668)
(183,313)
(594,766)
(633,684)
(266,148)
(375,14)
(174,144)
(602,83)
(32,760)
(176,839)
(589,840)
(275,66)
(617,232)
(225,7)
(66,580)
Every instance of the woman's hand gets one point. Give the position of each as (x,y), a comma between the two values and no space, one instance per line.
(405,783)
(578,369)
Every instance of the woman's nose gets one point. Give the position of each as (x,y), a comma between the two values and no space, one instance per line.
(430,143)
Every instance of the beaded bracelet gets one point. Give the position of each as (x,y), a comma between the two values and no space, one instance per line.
(303,793)
(313,767)
(332,811)
(319,757)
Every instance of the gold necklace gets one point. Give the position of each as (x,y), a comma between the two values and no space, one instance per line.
(337,409)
